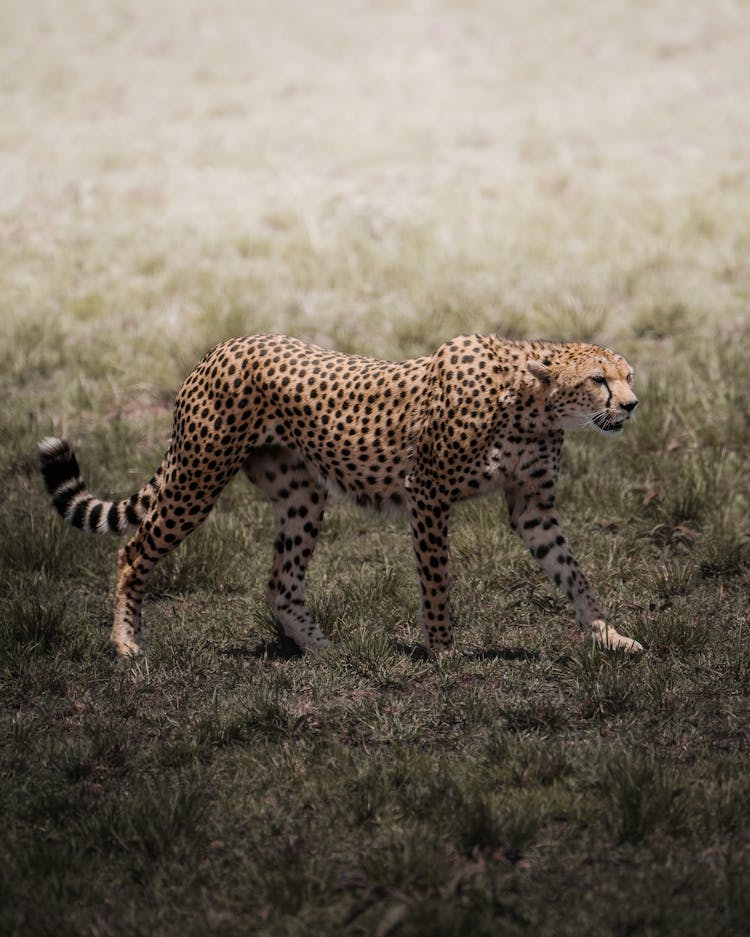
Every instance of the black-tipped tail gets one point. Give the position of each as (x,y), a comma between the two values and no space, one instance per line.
(74,502)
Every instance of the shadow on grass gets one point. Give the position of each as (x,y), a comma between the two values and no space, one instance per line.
(282,648)
(501,653)
(277,649)
(419,652)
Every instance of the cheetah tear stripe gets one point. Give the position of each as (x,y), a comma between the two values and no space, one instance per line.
(481,414)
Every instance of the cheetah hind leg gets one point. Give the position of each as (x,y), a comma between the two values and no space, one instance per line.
(298,503)
(161,530)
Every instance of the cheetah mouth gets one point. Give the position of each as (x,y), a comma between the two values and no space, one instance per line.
(602,422)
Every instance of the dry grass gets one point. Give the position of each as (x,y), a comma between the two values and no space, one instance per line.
(533,167)
(379,177)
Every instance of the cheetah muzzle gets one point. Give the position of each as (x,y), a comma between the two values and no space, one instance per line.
(480,414)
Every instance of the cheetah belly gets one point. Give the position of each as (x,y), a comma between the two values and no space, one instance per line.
(372,475)
(374,479)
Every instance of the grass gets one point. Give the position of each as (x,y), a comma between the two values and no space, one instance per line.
(376,178)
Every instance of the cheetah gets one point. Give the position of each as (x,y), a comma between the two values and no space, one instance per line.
(480,414)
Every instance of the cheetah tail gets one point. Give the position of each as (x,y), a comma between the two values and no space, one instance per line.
(73,501)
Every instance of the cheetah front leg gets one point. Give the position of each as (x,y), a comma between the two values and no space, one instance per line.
(532,518)
(429,528)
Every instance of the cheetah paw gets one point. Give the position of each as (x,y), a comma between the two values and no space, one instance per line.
(319,645)
(310,643)
(126,649)
(605,636)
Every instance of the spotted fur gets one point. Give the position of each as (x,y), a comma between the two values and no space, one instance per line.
(480,414)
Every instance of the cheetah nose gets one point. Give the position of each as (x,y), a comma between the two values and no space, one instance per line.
(629,406)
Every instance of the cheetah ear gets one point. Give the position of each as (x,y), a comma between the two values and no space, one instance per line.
(541,370)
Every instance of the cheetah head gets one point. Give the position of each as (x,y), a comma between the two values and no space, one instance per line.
(588,386)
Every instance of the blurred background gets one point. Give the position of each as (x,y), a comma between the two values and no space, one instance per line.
(377,176)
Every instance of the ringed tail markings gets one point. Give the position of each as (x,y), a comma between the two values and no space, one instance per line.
(74,502)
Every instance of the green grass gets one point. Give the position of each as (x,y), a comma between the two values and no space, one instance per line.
(377,178)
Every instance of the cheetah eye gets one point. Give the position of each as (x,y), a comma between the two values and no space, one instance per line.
(598,379)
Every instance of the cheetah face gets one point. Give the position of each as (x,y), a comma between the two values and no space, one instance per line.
(603,397)
(593,391)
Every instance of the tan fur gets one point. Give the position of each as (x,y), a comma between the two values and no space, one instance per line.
(480,414)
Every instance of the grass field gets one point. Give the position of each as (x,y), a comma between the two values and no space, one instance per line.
(377,177)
